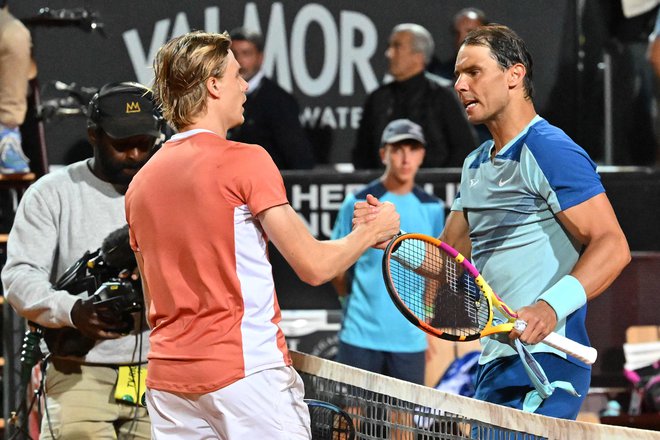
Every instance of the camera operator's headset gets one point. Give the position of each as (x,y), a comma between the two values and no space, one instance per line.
(127,87)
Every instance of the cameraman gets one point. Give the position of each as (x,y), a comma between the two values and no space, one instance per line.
(60,217)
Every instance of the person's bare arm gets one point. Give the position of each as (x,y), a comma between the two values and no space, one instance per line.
(145,287)
(456,233)
(606,253)
(316,262)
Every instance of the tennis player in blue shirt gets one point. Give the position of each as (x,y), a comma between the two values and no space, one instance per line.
(533,215)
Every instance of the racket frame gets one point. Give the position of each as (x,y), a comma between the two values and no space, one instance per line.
(346,428)
(575,349)
(489,295)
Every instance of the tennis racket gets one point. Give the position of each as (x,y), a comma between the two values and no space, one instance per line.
(441,292)
(329,422)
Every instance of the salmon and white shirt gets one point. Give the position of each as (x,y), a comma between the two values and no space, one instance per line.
(192,211)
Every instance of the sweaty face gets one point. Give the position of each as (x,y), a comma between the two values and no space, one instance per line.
(232,93)
(481,83)
(118,160)
(404,61)
(248,57)
(403,159)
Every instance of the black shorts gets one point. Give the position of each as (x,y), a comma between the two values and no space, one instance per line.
(404,366)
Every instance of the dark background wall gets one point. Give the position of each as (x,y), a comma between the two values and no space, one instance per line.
(329,54)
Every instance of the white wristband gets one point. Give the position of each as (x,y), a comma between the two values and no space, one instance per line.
(565,296)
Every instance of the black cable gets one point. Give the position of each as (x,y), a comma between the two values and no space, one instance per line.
(30,356)
(44,366)
(138,345)
(139,381)
(20,430)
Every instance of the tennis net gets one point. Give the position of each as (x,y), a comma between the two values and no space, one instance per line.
(386,408)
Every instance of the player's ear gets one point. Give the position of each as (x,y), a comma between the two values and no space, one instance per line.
(516,75)
(381,152)
(213,87)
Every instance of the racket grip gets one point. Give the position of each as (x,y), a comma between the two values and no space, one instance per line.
(586,354)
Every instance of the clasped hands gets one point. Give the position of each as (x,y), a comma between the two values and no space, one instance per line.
(380,217)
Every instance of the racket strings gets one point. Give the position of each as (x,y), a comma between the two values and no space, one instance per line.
(330,422)
(475,306)
(439,291)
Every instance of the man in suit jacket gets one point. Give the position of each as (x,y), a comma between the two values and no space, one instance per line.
(271,113)
(415,94)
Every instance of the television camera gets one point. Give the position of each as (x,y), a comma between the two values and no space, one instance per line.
(105,275)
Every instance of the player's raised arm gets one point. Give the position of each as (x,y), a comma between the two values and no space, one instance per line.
(315,261)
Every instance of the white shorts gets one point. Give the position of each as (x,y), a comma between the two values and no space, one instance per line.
(265,405)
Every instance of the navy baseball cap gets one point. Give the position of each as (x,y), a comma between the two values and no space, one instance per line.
(124,110)
(402,130)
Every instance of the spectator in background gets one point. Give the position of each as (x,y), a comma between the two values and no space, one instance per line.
(463,22)
(375,336)
(15,70)
(633,140)
(425,99)
(271,113)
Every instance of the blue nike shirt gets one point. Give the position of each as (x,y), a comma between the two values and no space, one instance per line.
(511,202)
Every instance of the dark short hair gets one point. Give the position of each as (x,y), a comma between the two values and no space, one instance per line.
(243,34)
(506,47)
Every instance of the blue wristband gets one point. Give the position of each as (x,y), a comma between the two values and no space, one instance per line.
(565,296)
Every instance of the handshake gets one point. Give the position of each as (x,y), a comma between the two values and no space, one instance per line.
(378,218)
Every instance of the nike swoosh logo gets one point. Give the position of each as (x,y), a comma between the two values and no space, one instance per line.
(504,182)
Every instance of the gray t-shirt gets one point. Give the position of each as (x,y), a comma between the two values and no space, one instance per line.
(60,217)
